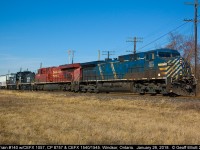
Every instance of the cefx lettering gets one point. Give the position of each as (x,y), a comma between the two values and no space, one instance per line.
(73,147)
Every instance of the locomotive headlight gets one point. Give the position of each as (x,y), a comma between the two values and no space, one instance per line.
(159,74)
(169,64)
(181,61)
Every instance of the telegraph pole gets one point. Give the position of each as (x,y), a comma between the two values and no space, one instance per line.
(195,4)
(134,40)
(40,65)
(70,56)
(109,53)
(73,56)
(99,53)
(195,31)
(69,53)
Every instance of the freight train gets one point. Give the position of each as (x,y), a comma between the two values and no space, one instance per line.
(160,71)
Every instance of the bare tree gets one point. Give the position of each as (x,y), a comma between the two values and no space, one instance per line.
(184,44)
(176,41)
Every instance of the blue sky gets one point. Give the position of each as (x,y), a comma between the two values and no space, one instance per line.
(35,31)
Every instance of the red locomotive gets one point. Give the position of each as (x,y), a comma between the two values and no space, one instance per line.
(60,77)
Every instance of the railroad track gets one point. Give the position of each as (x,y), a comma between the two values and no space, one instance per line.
(118,95)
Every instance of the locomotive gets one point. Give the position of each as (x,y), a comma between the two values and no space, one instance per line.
(160,71)
(20,80)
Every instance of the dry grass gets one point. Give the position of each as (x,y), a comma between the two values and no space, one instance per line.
(49,118)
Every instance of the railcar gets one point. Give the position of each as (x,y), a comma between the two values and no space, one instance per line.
(3,81)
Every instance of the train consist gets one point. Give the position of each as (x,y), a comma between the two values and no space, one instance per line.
(160,71)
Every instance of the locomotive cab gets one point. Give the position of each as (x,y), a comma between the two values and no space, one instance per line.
(176,71)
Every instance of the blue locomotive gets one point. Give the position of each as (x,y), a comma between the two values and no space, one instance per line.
(160,71)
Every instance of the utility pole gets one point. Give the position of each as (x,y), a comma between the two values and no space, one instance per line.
(134,40)
(69,53)
(99,54)
(40,65)
(195,4)
(73,56)
(108,53)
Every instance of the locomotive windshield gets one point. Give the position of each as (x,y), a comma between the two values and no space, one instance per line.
(175,54)
(168,54)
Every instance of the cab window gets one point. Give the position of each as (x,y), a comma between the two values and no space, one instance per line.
(175,54)
(150,56)
(164,54)
(147,57)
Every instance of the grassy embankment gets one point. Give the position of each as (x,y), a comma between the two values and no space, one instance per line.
(49,118)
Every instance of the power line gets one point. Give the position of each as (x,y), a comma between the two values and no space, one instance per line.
(158,31)
(187,30)
(163,35)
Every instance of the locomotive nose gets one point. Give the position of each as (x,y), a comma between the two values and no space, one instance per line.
(185,80)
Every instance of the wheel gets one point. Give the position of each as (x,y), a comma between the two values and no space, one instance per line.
(96,91)
(153,94)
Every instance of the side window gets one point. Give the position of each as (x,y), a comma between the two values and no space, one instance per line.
(153,56)
(147,57)
(135,56)
(150,56)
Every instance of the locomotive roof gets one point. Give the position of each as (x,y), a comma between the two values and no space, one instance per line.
(92,63)
(68,66)
(163,50)
(24,72)
(141,54)
(46,68)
